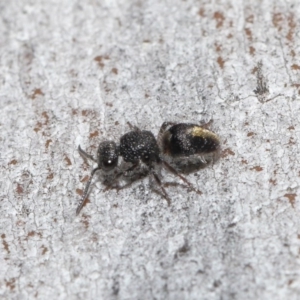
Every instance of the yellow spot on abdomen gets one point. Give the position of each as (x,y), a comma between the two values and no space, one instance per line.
(201,132)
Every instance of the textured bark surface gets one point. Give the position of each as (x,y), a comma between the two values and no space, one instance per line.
(75,72)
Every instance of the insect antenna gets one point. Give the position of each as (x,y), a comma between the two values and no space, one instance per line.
(85,155)
(85,193)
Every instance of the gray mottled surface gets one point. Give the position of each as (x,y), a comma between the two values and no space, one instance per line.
(74,72)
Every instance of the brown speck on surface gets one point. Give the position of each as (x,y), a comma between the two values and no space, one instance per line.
(13,162)
(146,95)
(4,243)
(116,123)
(48,143)
(84,179)
(79,192)
(296,85)
(31,234)
(36,93)
(84,113)
(244,162)
(229,36)
(115,71)
(19,189)
(295,67)
(248,34)
(277,20)
(85,220)
(109,104)
(291,198)
(218,47)
(273,181)
(99,59)
(74,112)
(219,18)
(11,283)
(290,281)
(254,70)
(146,41)
(38,127)
(252,50)
(291,128)
(226,152)
(221,62)
(45,249)
(292,26)
(94,134)
(68,161)
(45,115)
(89,115)
(293,54)
(201,12)
(50,176)
(39,124)
(249,134)
(256,168)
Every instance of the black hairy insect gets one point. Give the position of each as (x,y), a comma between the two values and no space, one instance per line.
(146,155)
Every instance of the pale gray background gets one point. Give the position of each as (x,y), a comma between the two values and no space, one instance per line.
(74,72)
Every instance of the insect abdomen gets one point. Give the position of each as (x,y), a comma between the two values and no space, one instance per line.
(189,139)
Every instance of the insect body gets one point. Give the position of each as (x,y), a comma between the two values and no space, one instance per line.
(137,147)
(146,155)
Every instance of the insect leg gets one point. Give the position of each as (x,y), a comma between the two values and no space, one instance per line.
(172,170)
(164,192)
(126,174)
